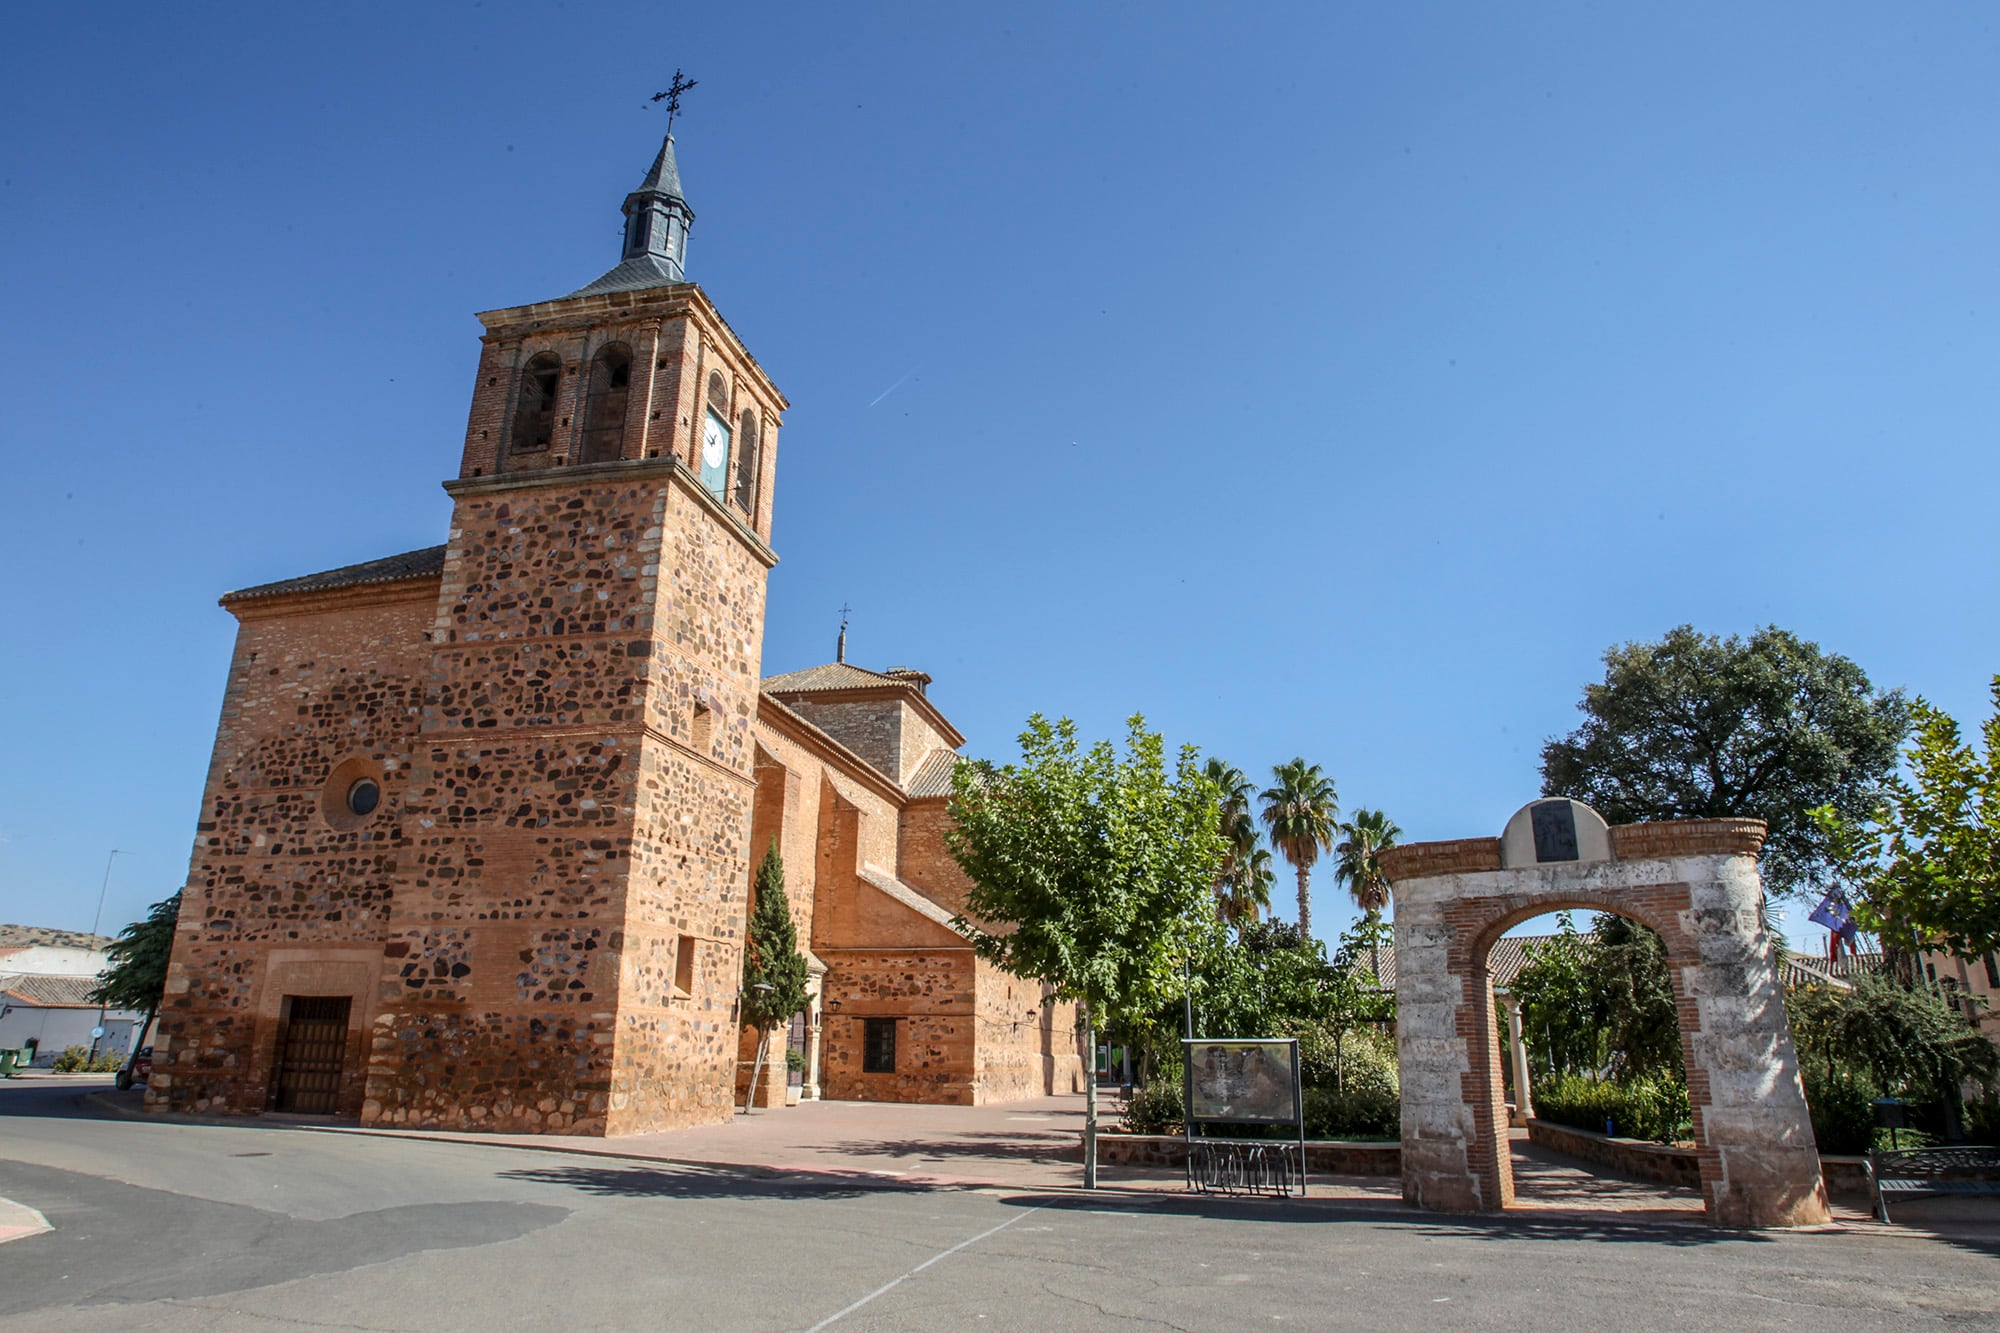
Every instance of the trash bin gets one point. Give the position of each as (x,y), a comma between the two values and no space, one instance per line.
(11,1060)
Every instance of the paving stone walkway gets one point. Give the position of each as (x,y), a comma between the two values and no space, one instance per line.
(1036,1145)
(1033,1145)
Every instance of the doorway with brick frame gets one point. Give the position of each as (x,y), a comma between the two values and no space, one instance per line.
(1696,883)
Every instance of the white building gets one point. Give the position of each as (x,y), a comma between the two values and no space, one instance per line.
(45,977)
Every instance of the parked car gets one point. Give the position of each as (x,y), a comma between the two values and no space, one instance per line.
(137,1073)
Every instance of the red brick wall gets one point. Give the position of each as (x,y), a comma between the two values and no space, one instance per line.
(922,860)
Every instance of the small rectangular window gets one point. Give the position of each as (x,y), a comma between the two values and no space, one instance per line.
(684,966)
(878,1046)
(1993,971)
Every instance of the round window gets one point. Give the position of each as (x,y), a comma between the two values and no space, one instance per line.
(364,796)
(352,796)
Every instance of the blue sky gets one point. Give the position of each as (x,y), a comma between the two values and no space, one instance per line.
(1319,380)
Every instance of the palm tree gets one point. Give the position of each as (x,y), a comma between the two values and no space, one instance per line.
(1299,811)
(1239,836)
(1365,835)
(1246,894)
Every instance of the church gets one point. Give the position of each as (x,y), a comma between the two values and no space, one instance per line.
(478,836)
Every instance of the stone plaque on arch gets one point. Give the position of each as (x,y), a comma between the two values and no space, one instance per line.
(1693,881)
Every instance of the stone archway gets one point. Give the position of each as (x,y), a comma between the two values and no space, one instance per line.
(1695,882)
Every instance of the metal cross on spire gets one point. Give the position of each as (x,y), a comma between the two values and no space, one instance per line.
(672,97)
(840,649)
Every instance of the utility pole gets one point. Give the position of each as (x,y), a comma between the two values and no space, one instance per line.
(97,1033)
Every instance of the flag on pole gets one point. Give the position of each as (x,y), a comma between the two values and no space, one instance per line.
(1833,913)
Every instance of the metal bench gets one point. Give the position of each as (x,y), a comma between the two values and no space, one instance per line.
(1915,1171)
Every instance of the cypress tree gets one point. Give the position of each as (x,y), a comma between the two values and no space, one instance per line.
(771,951)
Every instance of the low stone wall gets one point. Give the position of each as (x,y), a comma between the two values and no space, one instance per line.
(1328,1157)
(1675,1166)
(1656,1162)
(1846,1175)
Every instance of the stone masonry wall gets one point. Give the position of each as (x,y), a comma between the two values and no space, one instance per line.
(1025,1047)
(692,859)
(552,758)
(930,994)
(872,728)
(318,686)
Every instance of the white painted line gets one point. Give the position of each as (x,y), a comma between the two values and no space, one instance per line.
(891,1285)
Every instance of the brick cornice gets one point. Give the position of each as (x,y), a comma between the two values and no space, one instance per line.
(1421,860)
(669,469)
(1688,837)
(422,588)
(908,694)
(678,301)
(1629,842)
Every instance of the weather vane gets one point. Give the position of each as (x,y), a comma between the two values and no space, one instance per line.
(672,97)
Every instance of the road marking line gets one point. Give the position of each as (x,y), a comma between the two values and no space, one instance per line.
(893,1283)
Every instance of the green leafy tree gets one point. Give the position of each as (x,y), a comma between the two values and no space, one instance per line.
(1941,838)
(1886,1038)
(136,977)
(1632,991)
(1362,839)
(1267,982)
(1299,811)
(1559,1011)
(774,971)
(1700,727)
(1091,871)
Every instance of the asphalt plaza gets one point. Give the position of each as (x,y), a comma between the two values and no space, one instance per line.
(185,1226)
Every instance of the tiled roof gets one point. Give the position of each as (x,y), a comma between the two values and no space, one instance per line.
(933,776)
(1851,964)
(49,992)
(831,676)
(1508,956)
(23,937)
(1798,970)
(427,563)
(637,274)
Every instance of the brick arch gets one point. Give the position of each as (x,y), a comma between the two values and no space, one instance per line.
(1484,921)
(1696,883)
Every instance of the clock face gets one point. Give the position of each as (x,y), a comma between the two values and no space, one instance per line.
(714,443)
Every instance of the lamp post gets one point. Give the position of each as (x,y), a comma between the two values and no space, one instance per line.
(97,1033)
(757,1065)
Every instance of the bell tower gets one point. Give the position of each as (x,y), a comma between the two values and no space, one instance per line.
(565,946)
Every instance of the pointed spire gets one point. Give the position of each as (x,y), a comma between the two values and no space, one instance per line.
(840,648)
(665,177)
(657,218)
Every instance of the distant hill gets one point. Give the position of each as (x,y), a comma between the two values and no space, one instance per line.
(18,937)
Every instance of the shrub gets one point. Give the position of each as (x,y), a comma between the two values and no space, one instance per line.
(1156,1108)
(1373,1112)
(1843,1111)
(1982,1120)
(73,1059)
(107,1062)
(1639,1108)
